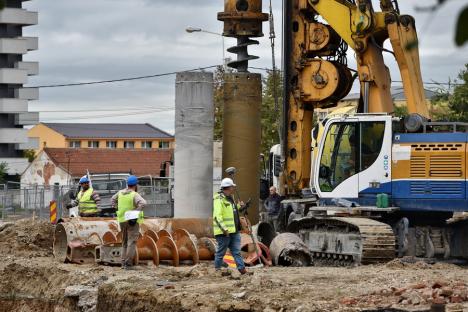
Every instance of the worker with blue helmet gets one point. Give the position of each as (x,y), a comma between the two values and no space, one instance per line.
(88,200)
(129,205)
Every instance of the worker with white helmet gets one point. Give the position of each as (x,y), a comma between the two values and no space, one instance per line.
(226,225)
(129,205)
(87,200)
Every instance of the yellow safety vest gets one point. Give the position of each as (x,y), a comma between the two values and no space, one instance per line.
(85,203)
(124,204)
(223,215)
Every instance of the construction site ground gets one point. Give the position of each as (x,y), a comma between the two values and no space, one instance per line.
(31,280)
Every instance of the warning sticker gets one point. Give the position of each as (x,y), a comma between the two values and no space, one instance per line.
(401,152)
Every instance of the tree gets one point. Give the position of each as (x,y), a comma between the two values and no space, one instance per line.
(458,101)
(400,111)
(271,110)
(218,99)
(3,171)
(30,154)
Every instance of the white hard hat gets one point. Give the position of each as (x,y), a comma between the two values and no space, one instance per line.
(227,182)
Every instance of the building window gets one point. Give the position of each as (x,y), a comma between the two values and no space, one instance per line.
(74,144)
(163,144)
(129,144)
(111,144)
(146,144)
(93,144)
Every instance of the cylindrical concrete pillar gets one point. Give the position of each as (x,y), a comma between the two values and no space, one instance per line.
(193,158)
(242,135)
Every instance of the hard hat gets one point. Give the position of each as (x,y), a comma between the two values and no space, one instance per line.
(227,182)
(132,180)
(84,179)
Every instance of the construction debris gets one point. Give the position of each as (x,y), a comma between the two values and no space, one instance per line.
(40,283)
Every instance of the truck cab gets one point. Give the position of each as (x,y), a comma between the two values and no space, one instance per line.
(354,157)
(420,169)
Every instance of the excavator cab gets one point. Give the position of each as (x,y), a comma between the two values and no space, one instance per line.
(354,157)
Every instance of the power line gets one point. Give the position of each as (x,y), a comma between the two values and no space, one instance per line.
(103,110)
(111,115)
(120,79)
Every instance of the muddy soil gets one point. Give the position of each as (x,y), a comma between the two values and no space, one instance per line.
(31,280)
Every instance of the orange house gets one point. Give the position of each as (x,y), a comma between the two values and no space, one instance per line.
(101,136)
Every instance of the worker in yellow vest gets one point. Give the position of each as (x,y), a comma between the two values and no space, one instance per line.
(129,205)
(87,200)
(226,225)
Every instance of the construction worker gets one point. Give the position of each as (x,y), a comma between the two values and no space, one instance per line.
(129,205)
(273,206)
(273,203)
(226,225)
(88,200)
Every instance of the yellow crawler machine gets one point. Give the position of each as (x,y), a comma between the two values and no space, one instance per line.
(378,186)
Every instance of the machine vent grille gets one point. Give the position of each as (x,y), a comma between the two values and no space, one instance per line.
(450,166)
(418,167)
(418,187)
(437,188)
(438,147)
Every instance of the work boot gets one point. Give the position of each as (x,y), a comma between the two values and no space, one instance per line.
(243,271)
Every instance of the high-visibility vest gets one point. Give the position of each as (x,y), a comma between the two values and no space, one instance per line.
(85,203)
(223,215)
(124,204)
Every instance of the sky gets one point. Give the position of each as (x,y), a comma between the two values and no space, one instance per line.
(90,40)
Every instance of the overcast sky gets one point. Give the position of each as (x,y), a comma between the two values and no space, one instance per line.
(90,40)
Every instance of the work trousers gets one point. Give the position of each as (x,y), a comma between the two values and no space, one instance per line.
(130,235)
(233,242)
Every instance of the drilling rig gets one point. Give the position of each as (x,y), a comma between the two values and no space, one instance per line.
(381,186)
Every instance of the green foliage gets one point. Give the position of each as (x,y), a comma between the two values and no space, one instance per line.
(2,4)
(30,154)
(401,111)
(452,106)
(439,110)
(218,99)
(3,171)
(271,111)
(458,101)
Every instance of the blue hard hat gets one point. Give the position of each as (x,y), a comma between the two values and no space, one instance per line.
(132,180)
(84,179)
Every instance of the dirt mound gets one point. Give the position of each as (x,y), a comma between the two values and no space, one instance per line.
(27,237)
(408,263)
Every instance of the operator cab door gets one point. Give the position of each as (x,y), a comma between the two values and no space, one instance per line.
(354,157)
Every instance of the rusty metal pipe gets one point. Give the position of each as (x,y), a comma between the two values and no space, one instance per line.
(147,250)
(195,226)
(78,229)
(167,249)
(186,246)
(81,228)
(242,135)
(206,248)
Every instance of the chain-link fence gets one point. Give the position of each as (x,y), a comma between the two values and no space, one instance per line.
(20,201)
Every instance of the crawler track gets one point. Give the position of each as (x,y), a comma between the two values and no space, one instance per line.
(346,241)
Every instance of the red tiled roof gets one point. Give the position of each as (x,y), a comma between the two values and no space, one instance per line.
(140,162)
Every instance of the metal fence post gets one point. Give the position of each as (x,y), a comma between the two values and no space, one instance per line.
(56,196)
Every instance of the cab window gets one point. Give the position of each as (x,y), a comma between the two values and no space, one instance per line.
(349,148)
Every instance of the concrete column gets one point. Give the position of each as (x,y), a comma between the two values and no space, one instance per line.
(242,135)
(193,159)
